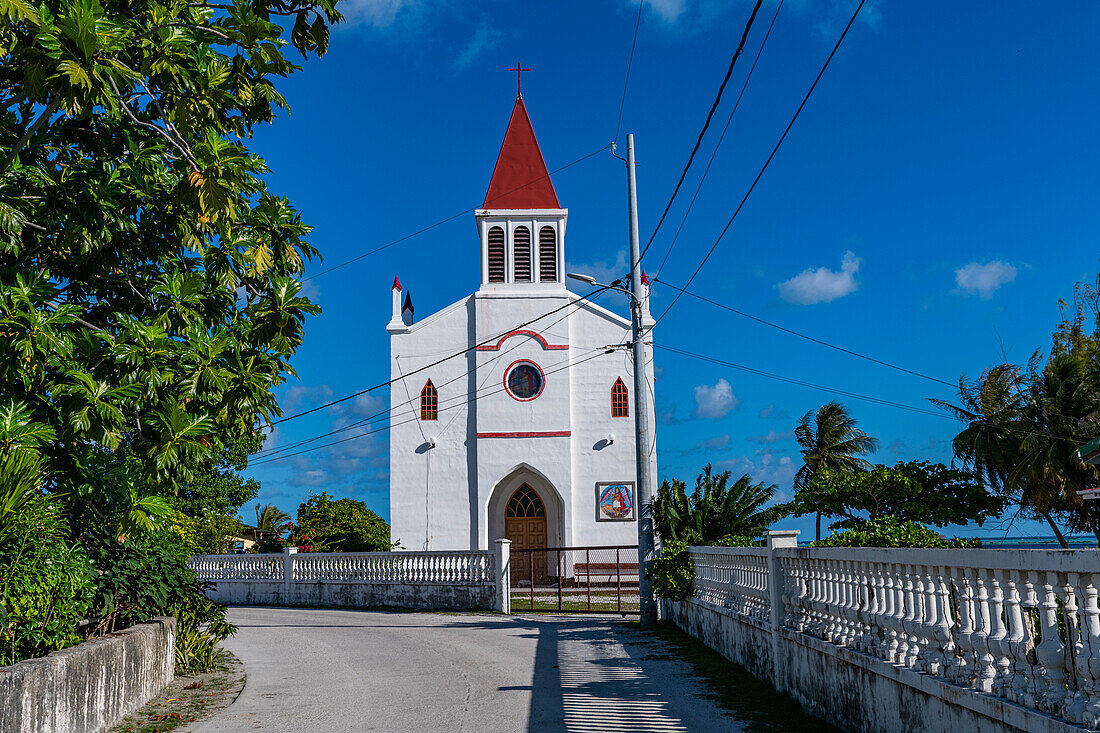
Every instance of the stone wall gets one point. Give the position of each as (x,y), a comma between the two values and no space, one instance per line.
(478,597)
(89,687)
(470,580)
(882,640)
(850,690)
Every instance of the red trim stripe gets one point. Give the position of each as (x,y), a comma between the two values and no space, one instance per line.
(532,434)
(523,332)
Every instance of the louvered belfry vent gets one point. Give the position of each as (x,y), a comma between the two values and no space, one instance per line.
(521,242)
(496,255)
(548,255)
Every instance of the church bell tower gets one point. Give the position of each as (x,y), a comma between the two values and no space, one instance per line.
(521,224)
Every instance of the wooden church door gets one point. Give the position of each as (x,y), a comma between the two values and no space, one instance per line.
(525,526)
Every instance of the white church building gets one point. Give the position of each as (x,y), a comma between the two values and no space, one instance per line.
(528,433)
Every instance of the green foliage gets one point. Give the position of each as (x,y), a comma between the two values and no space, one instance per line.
(829,439)
(200,626)
(208,534)
(889,531)
(1022,426)
(672,573)
(149,299)
(46,581)
(340,525)
(714,513)
(215,484)
(918,491)
(270,518)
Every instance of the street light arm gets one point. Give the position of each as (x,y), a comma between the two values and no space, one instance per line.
(588,279)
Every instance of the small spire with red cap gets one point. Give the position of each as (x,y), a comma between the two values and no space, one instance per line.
(396,283)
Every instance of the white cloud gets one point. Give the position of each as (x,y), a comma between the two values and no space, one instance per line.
(822,285)
(771,412)
(374,13)
(603,271)
(772,437)
(667,10)
(483,39)
(718,442)
(300,395)
(367,404)
(984,280)
(715,402)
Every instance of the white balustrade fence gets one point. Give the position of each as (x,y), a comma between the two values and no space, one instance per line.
(1010,631)
(441,579)
(419,568)
(238,567)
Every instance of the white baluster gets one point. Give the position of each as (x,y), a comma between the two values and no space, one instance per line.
(1049,652)
(1089,660)
(998,646)
(1076,698)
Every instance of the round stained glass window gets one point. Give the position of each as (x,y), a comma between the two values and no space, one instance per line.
(524,381)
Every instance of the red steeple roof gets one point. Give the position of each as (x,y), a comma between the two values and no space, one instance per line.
(520,179)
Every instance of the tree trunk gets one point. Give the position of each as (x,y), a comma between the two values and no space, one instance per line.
(818,533)
(1057,532)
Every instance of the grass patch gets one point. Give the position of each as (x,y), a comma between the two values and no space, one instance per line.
(750,700)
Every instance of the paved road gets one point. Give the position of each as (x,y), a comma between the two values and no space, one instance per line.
(334,670)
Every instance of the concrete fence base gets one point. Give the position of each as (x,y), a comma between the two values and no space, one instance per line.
(91,686)
(354,594)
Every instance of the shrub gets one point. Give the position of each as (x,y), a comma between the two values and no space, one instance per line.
(340,525)
(889,531)
(205,535)
(45,581)
(672,573)
(200,627)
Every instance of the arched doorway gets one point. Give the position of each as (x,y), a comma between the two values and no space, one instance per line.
(525,526)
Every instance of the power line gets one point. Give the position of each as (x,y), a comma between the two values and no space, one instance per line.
(452,217)
(799,382)
(721,138)
(805,336)
(768,161)
(465,397)
(706,125)
(383,413)
(856,395)
(629,63)
(437,362)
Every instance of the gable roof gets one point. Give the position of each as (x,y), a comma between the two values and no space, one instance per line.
(520,179)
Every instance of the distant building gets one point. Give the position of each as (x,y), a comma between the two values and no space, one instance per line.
(1090,452)
(529,434)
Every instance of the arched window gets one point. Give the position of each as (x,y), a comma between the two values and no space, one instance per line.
(429,402)
(525,502)
(521,253)
(548,255)
(620,399)
(496,255)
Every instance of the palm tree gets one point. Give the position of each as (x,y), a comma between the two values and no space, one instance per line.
(716,511)
(830,439)
(270,518)
(1021,435)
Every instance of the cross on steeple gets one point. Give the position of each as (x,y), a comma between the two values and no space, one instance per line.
(519,71)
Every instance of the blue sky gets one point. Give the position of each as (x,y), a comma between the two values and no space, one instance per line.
(934,201)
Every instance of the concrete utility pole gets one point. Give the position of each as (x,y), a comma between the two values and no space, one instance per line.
(647,605)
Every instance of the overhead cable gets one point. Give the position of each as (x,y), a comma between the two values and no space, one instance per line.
(769,160)
(467,350)
(721,138)
(452,217)
(776,326)
(706,125)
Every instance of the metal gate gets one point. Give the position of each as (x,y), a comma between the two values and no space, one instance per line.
(594,579)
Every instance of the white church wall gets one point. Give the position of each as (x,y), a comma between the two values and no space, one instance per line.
(427,511)
(594,459)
